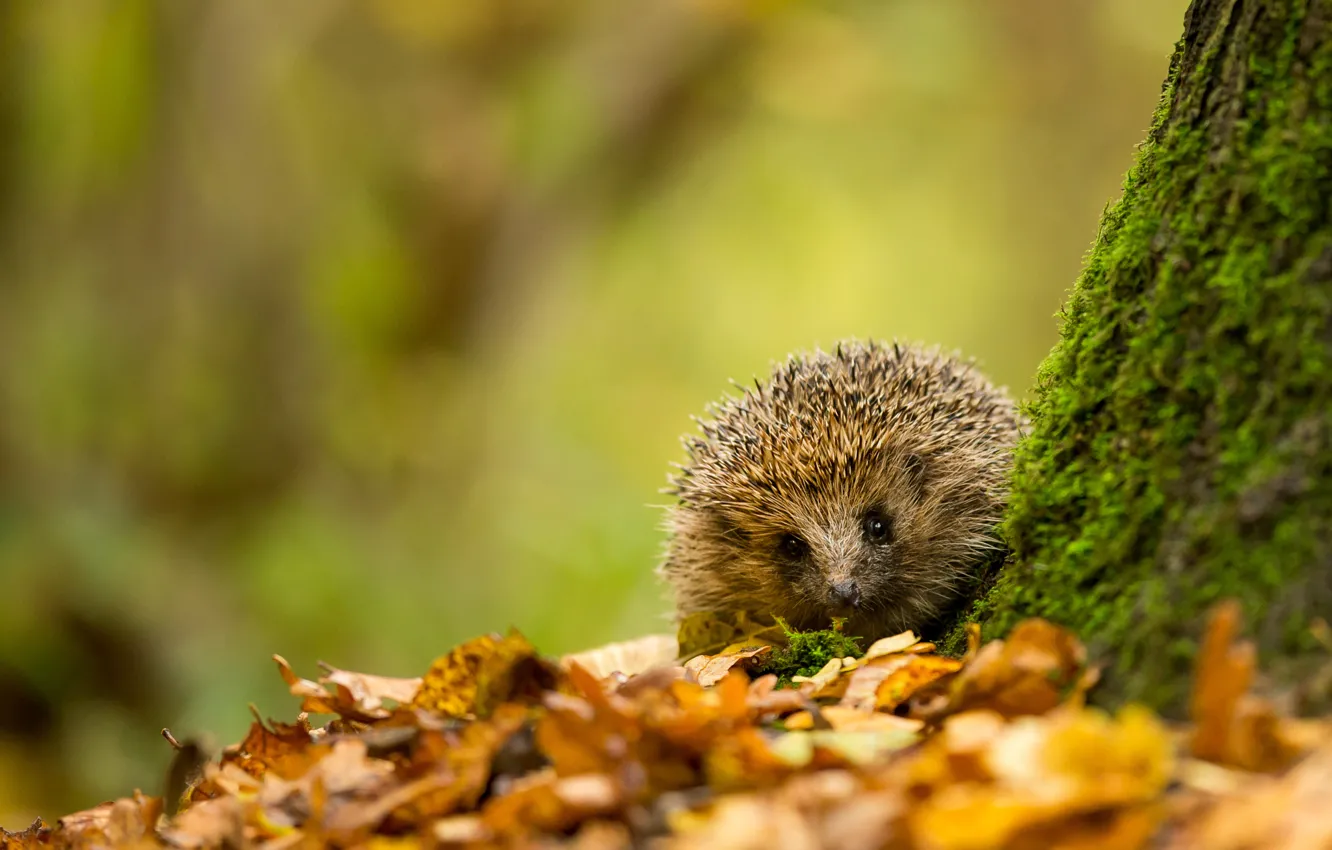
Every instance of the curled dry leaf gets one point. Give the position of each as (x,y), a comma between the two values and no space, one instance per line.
(863,685)
(708,670)
(828,682)
(712,633)
(273,748)
(1030,672)
(1225,671)
(1230,726)
(120,822)
(314,697)
(482,673)
(886,682)
(219,822)
(36,835)
(912,675)
(368,692)
(629,658)
(359,696)
(891,645)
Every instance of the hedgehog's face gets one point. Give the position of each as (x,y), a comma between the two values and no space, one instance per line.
(887,548)
(847,559)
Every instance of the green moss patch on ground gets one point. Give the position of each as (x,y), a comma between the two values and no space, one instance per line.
(806,653)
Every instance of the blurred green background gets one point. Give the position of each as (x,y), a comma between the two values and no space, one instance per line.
(349,329)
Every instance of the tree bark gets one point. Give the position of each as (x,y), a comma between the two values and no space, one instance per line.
(1181,441)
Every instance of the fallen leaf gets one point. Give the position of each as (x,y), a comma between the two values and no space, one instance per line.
(629,657)
(478,675)
(1030,672)
(827,683)
(210,823)
(911,675)
(1223,675)
(552,804)
(1231,727)
(282,750)
(708,670)
(38,834)
(367,692)
(315,698)
(711,633)
(891,645)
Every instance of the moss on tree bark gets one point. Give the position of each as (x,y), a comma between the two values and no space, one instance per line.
(1180,449)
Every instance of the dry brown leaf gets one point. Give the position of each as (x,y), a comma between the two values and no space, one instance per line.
(359,696)
(1230,726)
(351,821)
(1030,672)
(708,670)
(464,759)
(711,633)
(1289,813)
(863,685)
(846,719)
(282,750)
(629,657)
(744,759)
(1225,670)
(368,692)
(572,739)
(37,834)
(314,697)
(211,823)
(912,674)
(480,674)
(828,683)
(891,645)
(552,804)
(120,822)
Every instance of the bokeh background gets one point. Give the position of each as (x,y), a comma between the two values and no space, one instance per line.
(349,329)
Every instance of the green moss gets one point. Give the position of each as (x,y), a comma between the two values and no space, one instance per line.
(1181,441)
(806,653)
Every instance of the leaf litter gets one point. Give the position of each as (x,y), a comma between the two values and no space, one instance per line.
(897,748)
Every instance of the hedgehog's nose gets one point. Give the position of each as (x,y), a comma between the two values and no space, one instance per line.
(846,594)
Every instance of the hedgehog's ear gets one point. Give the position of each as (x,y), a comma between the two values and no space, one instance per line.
(916,473)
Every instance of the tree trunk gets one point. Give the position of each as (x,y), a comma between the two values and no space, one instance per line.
(1181,441)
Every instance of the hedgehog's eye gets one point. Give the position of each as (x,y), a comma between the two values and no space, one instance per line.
(792,547)
(878,528)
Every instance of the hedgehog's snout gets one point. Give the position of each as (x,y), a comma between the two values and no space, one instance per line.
(845,594)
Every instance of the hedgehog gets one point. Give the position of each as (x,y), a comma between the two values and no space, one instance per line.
(864,485)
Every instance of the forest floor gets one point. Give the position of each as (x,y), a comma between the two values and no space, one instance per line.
(776,740)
